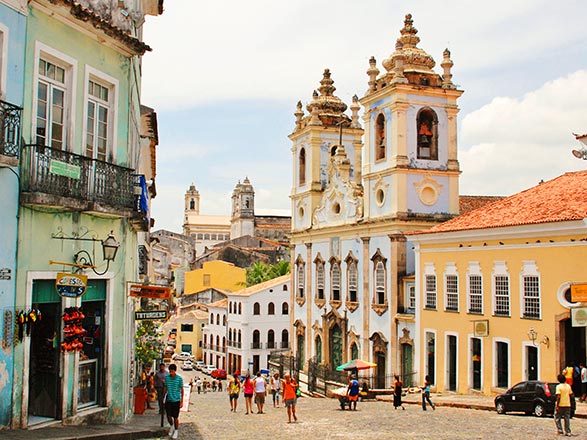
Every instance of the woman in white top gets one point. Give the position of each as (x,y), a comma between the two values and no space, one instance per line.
(275,388)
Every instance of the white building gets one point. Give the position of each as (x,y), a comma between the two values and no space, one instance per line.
(258,324)
(214,335)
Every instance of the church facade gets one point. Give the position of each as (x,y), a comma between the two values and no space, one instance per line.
(358,187)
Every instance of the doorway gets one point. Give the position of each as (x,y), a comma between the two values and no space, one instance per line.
(44,400)
(407,369)
(452,362)
(531,363)
(476,363)
(380,378)
(335,346)
(573,344)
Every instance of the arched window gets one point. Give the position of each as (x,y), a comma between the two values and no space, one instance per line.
(319,278)
(302,166)
(239,340)
(256,309)
(211,318)
(218,319)
(205,339)
(240,308)
(285,287)
(230,307)
(285,339)
(379,283)
(354,351)
(224,343)
(352,276)
(427,126)
(380,137)
(217,342)
(256,339)
(318,353)
(192,204)
(335,280)
(285,308)
(224,320)
(271,339)
(271,309)
(301,277)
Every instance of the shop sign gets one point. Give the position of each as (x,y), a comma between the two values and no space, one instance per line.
(71,285)
(64,169)
(579,317)
(151,314)
(579,292)
(156,292)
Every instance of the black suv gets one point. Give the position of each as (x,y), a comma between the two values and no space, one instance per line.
(532,397)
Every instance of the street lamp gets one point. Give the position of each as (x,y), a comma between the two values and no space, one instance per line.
(109,249)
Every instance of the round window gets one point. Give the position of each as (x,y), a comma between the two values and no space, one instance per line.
(380,197)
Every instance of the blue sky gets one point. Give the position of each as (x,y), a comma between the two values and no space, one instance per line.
(225,76)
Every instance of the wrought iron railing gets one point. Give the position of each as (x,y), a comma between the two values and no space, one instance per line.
(50,171)
(9,129)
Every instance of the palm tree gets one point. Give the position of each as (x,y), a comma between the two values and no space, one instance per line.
(260,272)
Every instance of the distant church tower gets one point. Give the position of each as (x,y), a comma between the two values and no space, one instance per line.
(242,219)
(192,203)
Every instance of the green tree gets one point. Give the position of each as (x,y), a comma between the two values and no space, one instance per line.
(148,346)
(260,272)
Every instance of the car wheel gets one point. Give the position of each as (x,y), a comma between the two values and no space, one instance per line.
(500,407)
(539,410)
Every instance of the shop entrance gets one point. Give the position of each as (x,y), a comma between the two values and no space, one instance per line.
(573,344)
(44,399)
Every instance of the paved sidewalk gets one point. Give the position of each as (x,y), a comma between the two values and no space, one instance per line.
(147,425)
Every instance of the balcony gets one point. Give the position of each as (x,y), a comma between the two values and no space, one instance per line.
(9,134)
(64,180)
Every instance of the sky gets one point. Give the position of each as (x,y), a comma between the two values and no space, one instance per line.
(224,78)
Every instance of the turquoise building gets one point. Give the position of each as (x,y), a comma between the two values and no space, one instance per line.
(83,212)
(12,40)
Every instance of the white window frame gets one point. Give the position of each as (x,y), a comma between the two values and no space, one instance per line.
(494,361)
(320,279)
(429,270)
(450,271)
(353,280)
(112,84)
(70,65)
(301,280)
(425,355)
(524,372)
(470,366)
(4,37)
(446,359)
(410,297)
(500,270)
(335,280)
(529,269)
(380,284)
(474,270)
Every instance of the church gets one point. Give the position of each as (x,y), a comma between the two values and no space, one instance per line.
(359,187)
(241,238)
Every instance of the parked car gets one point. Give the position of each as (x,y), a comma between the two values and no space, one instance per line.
(183,356)
(199,365)
(208,368)
(187,365)
(531,397)
(218,373)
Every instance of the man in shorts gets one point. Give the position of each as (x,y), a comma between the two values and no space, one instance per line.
(260,391)
(352,393)
(174,399)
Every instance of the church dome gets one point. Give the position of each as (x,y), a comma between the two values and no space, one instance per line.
(328,107)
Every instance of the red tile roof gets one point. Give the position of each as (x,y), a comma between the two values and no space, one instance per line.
(561,199)
(469,203)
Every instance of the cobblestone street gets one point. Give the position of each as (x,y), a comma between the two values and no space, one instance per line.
(210,418)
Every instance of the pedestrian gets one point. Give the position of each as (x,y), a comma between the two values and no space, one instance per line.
(568,373)
(214,385)
(233,388)
(248,389)
(160,385)
(397,393)
(426,394)
(260,392)
(199,385)
(275,389)
(151,392)
(174,399)
(564,394)
(220,386)
(205,385)
(583,382)
(289,387)
(352,392)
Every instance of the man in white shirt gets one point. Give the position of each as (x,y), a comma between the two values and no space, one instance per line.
(583,382)
(260,392)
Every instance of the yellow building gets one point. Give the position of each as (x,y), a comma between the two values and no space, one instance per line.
(215,274)
(493,290)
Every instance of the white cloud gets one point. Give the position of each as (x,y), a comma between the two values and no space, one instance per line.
(511,144)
